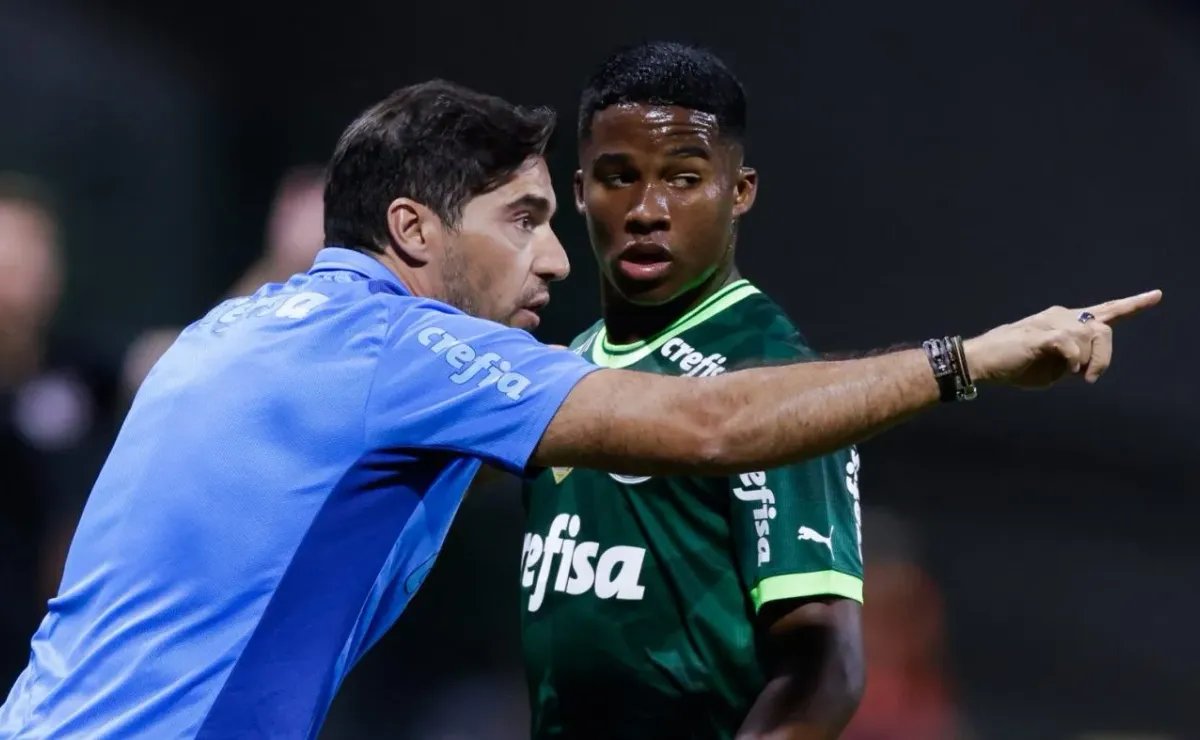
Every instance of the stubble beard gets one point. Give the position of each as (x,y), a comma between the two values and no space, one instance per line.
(456,283)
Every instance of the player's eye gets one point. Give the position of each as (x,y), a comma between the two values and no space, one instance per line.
(526,222)
(685,180)
(618,179)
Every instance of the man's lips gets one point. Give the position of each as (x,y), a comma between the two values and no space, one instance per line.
(537,303)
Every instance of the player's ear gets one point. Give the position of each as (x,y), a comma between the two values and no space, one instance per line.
(579,191)
(413,229)
(746,190)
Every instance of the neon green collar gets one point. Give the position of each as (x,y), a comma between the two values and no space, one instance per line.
(607,354)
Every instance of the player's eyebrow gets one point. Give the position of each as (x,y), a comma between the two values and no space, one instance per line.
(535,203)
(611,159)
(615,159)
(690,151)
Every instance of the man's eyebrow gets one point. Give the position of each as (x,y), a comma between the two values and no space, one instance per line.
(536,203)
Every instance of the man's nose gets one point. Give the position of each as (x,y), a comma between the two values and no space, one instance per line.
(551,262)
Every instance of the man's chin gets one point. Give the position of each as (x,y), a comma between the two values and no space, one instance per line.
(525,319)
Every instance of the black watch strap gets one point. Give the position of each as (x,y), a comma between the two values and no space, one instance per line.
(949,365)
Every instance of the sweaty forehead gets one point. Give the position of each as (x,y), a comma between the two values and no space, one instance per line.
(650,128)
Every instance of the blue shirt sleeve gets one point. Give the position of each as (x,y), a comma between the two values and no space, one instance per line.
(454,382)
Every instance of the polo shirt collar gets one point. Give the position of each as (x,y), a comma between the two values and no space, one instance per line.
(341,258)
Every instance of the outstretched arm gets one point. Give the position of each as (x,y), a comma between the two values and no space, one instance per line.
(764,417)
(645,424)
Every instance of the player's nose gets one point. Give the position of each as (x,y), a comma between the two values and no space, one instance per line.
(650,211)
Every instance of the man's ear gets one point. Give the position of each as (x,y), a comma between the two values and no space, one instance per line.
(413,229)
(746,191)
(579,191)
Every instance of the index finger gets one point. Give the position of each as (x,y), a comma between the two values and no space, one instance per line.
(1110,311)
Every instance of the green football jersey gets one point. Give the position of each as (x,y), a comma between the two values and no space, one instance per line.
(639,593)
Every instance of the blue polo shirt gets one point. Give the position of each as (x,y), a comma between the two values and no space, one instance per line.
(281,486)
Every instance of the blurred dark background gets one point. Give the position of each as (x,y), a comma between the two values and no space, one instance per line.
(926,167)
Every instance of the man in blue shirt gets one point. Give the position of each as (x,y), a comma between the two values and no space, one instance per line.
(290,467)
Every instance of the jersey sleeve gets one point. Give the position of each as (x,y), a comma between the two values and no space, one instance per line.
(454,382)
(797,530)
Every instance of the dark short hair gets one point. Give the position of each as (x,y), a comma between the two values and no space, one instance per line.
(666,73)
(439,143)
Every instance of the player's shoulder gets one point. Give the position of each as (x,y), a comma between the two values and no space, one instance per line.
(584,340)
(757,330)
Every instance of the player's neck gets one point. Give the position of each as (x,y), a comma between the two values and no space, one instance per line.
(626,322)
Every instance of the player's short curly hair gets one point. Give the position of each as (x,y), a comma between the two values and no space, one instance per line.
(439,143)
(666,73)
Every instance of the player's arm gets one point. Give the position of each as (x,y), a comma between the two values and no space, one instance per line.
(657,425)
(796,533)
(813,654)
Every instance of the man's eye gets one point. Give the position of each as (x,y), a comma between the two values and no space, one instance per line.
(684,181)
(526,222)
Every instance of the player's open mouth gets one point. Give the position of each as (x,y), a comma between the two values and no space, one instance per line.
(644,260)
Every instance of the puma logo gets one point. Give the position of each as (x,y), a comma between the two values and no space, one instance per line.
(812,535)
